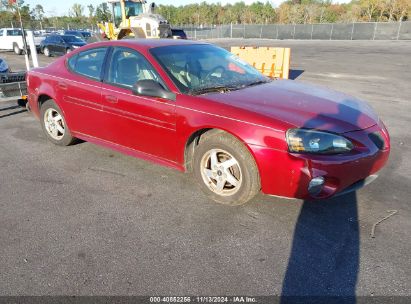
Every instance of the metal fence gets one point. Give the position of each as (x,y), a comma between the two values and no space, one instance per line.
(322,31)
(52,25)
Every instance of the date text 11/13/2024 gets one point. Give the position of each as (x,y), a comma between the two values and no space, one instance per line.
(203,299)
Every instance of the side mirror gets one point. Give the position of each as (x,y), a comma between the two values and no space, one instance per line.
(152,88)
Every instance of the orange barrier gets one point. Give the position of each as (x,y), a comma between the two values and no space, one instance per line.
(271,61)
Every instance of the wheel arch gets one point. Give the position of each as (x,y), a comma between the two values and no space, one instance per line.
(44,91)
(43,97)
(194,139)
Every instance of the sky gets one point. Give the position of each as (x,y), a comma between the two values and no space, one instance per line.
(62,7)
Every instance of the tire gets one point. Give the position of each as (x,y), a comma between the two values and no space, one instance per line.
(68,51)
(54,124)
(46,52)
(17,49)
(220,157)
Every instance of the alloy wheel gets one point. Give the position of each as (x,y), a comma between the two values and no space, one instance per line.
(221,172)
(54,124)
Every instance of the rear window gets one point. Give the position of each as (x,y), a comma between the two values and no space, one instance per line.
(88,63)
(15,32)
(71,38)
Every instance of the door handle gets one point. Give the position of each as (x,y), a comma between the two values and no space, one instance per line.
(62,85)
(111,99)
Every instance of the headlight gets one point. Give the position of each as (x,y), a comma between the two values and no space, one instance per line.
(316,142)
(75,46)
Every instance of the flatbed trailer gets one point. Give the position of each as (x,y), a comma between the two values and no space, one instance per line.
(13,86)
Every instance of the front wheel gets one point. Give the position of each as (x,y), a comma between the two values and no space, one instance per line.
(225,170)
(54,125)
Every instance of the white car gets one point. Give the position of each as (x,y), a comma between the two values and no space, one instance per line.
(11,39)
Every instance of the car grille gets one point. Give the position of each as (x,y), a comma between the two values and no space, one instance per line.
(377,139)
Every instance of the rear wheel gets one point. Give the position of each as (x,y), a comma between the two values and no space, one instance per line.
(54,124)
(46,52)
(225,170)
(17,49)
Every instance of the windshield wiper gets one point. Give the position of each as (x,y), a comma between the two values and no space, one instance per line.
(224,89)
(251,84)
(221,89)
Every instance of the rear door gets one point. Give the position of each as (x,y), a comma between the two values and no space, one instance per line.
(146,124)
(81,92)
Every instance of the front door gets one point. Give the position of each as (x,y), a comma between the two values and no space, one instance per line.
(51,44)
(60,46)
(146,124)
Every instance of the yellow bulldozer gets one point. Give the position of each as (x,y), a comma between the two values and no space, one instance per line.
(136,19)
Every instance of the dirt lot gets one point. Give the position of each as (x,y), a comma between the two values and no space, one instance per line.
(84,220)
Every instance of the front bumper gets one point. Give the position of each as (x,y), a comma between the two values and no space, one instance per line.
(289,174)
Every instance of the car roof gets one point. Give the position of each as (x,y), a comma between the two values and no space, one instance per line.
(147,43)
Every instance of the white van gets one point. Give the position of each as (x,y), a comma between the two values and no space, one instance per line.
(11,39)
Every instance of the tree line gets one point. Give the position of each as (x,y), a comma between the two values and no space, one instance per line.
(79,16)
(289,12)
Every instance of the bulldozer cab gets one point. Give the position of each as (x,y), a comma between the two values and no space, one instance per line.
(132,8)
(135,19)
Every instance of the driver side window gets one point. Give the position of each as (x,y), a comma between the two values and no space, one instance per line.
(128,66)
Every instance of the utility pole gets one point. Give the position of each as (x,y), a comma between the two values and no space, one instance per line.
(23,34)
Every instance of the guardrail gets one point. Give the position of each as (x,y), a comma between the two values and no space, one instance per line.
(321,31)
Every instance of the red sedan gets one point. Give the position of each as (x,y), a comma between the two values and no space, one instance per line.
(198,108)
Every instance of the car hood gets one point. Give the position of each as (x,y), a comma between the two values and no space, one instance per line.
(302,106)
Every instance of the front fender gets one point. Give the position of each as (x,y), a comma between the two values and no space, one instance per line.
(193,119)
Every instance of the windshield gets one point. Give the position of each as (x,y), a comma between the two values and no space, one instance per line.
(197,69)
(71,38)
